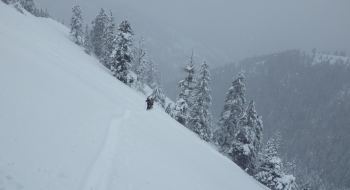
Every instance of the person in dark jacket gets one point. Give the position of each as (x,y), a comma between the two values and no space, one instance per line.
(148,103)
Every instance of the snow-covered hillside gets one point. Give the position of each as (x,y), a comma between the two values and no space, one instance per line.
(331,59)
(66,123)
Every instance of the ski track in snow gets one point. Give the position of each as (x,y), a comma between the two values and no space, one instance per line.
(103,171)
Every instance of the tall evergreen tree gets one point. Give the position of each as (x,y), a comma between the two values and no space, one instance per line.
(231,113)
(247,140)
(271,168)
(151,73)
(184,99)
(77,26)
(98,27)
(140,65)
(87,41)
(108,42)
(123,54)
(201,118)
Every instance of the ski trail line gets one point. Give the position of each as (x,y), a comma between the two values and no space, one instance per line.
(102,171)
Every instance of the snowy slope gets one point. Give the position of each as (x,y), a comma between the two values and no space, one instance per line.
(66,123)
(331,59)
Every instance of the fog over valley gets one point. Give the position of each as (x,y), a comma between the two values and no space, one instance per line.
(223,31)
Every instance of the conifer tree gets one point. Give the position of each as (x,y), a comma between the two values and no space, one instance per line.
(231,113)
(201,118)
(123,57)
(140,66)
(247,140)
(158,95)
(108,42)
(28,5)
(151,72)
(169,110)
(98,27)
(87,41)
(183,103)
(77,25)
(271,168)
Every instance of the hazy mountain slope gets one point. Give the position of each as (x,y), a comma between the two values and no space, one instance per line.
(304,96)
(66,123)
(168,46)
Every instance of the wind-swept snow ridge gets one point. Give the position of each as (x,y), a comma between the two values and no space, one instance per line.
(66,123)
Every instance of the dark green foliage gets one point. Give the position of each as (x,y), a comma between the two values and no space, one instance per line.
(108,42)
(28,5)
(87,41)
(123,54)
(201,120)
(247,140)
(98,26)
(184,99)
(77,26)
(232,111)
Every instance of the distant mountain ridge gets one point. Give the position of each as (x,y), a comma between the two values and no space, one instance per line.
(307,98)
(331,59)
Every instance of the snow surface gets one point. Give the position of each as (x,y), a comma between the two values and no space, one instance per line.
(332,59)
(66,123)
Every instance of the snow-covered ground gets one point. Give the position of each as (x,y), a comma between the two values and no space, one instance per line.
(66,123)
(332,59)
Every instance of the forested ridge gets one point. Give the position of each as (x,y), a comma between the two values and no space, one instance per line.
(306,98)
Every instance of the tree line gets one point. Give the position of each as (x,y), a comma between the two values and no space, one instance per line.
(238,134)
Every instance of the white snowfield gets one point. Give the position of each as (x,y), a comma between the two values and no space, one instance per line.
(67,124)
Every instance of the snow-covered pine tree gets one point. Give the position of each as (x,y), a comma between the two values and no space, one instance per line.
(271,168)
(158,95)
(151,71)
(17,4)
(231,113)
(184,99)
(28,5)
(10,1)
(108,42)
(77,26)
(169,110)
(123,54)
(98,27)
(247,140)
(87,41)
(201,118)
(140,65)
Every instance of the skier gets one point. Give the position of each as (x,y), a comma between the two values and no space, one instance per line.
(152,101)
(148,103)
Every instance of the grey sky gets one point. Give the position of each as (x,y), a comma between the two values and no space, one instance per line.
(239,28)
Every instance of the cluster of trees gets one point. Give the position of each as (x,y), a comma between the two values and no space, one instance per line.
(307,101)
(113,46)
(239,137)
(192,108)
(238,134)
(29,6)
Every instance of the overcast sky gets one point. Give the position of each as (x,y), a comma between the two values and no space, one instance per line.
(239,28)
